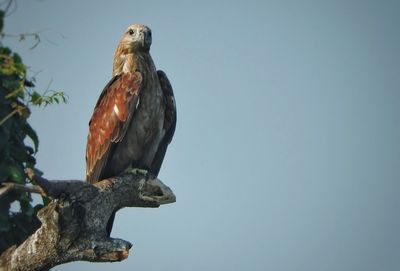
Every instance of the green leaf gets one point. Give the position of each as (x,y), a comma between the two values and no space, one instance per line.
(3,173)
(5,51)
(36,98)
(11,83)
(16,174)
(32,135)
(17,58)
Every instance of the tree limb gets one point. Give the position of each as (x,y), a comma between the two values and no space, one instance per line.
(74,223)
(9,186)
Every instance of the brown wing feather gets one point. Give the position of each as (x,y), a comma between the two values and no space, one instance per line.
(169,122)
(110,121)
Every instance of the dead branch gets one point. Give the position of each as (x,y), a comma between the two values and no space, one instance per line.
(74,223)
(8,187)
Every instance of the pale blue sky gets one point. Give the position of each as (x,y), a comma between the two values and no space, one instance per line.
(287,149)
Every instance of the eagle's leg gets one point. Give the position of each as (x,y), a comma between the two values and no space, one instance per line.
(137,171)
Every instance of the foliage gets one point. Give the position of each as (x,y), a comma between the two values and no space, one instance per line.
(17,95)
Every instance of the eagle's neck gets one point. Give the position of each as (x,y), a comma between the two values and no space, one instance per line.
(131,62)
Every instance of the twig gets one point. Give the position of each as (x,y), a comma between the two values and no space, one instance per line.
(19,109)
(8,187)
(8,7)
(36,36)
(8,116)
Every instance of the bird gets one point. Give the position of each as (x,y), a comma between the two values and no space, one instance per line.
(134,119)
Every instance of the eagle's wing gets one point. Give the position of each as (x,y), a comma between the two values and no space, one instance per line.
(169,122)
(110,120)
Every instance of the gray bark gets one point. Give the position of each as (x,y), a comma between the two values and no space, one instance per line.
(74,223)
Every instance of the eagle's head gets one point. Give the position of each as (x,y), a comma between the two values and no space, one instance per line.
(136,40)
(137,37)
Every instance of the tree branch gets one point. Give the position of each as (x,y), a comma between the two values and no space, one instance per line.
(74,223)
(8,186)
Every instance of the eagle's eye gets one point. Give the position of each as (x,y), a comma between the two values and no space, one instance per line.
(131,32)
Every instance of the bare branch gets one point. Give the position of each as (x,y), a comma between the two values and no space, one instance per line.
(8,7)
(74,223)
(35,36)
(8,186)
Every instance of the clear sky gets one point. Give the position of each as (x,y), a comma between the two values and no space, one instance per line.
(286,154)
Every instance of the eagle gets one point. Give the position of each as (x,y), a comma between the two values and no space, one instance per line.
(135,116)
